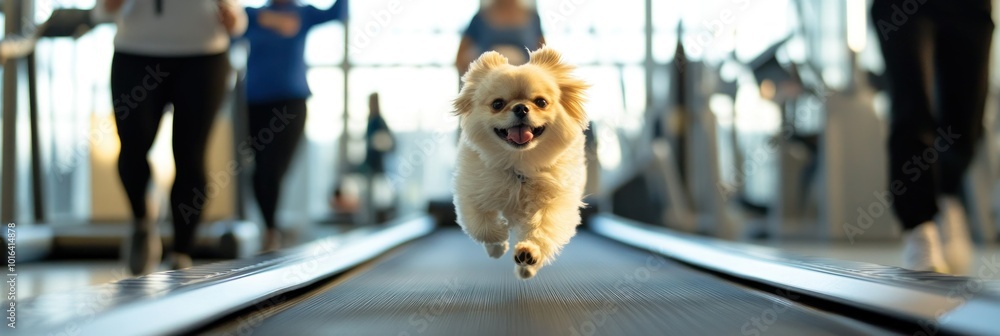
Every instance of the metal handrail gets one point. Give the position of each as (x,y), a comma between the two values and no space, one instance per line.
(62,23)
(16,46)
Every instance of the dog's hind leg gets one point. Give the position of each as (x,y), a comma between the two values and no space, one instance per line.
(486,227)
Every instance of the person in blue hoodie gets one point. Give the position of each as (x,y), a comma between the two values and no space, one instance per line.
(276,91)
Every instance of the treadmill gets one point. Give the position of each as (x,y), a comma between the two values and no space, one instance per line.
(616,277)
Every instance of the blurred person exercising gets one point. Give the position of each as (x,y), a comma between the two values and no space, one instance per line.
(276,93)
(379,143)
(937,61)
(167,52)
(509,27)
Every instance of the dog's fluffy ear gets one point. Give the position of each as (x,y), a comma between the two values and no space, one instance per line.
(546,57)
(573,90)
(487,61)
(477,70)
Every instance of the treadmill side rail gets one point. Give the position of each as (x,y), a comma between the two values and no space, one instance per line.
(193,303)
(898,296)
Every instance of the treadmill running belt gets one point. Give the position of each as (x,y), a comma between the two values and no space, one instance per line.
(445,284)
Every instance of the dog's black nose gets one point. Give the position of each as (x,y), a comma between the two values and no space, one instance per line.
(520,110)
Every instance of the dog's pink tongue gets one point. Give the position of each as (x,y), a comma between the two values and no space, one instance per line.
(520,134)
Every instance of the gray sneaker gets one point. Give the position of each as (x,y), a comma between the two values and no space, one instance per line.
(143,250)
(272,241)
(179,261)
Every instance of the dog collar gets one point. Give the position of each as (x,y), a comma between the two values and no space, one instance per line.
(520,177)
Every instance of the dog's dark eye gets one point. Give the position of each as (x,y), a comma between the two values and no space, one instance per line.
(540,102)
(498,104)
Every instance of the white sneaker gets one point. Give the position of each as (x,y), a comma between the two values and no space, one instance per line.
(922,249)
(955,240)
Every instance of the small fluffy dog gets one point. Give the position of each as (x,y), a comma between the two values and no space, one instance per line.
(521,164)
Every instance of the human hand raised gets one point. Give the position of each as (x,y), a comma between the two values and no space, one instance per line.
(285,24)
(227,17)
(113,5)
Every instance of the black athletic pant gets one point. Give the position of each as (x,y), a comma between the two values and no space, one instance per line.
(937,60)
(141,86)
(275,131)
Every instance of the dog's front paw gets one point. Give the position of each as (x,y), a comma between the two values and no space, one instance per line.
(527,259)
(496,250)
(524,258)
(526,254)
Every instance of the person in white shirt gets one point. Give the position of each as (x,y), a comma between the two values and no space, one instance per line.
(168,52)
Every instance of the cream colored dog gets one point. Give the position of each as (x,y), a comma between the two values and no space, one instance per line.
(521,165)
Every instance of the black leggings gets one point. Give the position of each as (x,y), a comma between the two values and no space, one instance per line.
(275,131)
(937,60)
(141,86)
